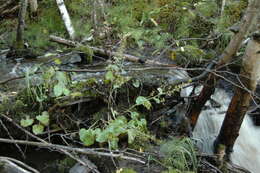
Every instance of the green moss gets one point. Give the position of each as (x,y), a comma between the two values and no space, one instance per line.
(88,53)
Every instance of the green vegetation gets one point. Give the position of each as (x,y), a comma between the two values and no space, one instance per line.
(180,155)
(189,32)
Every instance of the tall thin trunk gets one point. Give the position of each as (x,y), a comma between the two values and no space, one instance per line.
(19,44)
(66,18)
(226,57)
(33,7)
(238,107)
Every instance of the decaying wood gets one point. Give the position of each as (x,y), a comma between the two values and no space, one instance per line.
(250,73)
(66,18)
(209,86)
(108,52)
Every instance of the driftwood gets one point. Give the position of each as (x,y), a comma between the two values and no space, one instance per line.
(209,86)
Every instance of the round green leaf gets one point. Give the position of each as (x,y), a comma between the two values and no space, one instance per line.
(37,129)
(87,136)
(44,118)
(26,122)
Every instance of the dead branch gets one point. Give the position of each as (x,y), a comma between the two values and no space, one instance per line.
(108,53)
(21,164)
(44,142)
(87,151)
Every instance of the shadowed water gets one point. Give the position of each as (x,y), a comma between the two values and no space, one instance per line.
(246,150)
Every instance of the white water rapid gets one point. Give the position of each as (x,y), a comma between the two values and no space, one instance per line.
(247,147)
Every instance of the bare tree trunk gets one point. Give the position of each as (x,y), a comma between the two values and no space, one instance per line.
(19,44)
(238,107)
(33,7)
(209,86)
(66,18)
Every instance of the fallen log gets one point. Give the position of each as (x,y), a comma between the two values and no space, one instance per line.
(108,52)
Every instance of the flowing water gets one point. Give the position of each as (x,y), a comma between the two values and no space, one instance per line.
(246,150)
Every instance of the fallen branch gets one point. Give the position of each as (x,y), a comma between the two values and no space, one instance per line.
(87,151)
(44,142)
(18,165)
(108,53)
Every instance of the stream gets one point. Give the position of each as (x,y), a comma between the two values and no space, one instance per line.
(246,150)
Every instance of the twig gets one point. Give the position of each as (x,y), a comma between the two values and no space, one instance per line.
(20,163)
(43,141)
(86,151)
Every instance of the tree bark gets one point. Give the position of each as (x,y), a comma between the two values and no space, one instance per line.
(238,107)
(33,8)
(209,87)
(66,18)
(19,44)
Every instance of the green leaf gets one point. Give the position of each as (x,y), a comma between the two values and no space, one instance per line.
(131,135)
(26,122)
(143,101)
(109,76)
(44,118)
(134,115)
(66,91)
(37,129)
(113,143)
(157,100)
(160,90)
(62,77)
(57,61)
(87,136)
(102,136)
(58,90)
(136,83)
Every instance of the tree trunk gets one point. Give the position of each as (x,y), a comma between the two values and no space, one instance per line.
(238,107)
(209,86)
(33,8)
(19,44)
(66,18)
